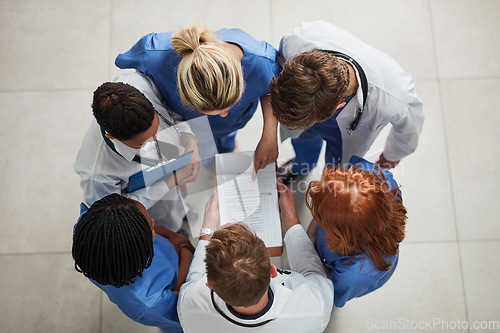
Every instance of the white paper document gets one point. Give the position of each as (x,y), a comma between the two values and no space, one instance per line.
(241,199)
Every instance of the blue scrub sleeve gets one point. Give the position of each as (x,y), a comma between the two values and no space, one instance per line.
(349,285)
(361,163)
(133,58)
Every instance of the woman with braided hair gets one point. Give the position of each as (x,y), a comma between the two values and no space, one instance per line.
(139,266)
(360,221)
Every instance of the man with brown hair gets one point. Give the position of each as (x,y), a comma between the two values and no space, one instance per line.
(336,88)
(239,288)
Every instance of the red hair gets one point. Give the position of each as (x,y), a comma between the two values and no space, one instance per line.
(358,212)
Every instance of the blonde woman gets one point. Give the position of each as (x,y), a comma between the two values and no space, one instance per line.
(222,75)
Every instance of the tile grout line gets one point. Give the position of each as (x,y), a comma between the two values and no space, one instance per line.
(110,39)
(450,180)
(58,90)
(111,6)
(270,11)
(101,310)
(35,253)
(485,240)
(435,241)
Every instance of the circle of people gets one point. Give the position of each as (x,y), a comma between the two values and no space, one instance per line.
(323,84)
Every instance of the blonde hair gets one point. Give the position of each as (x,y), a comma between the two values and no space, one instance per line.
(208,77)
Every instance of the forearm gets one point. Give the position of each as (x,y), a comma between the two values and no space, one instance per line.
(270,129)
(406,128)
(197,268)
(182,125)
(188,141)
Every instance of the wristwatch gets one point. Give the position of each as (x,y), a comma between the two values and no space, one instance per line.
(207,231)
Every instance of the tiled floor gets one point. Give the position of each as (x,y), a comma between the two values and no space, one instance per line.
(55,53)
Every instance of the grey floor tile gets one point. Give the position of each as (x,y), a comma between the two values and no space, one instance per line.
(214,14)
(44,293)
(424,176)
(422,290)
(406,22)
(466,38)
(41,134)
(53,44)
(472,137)
(481,267)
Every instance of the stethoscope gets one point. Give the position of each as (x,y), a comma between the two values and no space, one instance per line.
(364,87)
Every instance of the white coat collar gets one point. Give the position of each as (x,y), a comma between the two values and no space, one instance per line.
(281,296)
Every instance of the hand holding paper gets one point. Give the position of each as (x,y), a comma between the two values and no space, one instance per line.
(211,219)
(287,206)
(254,203)
(195,159)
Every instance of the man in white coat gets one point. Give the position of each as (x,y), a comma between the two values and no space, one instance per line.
(336,88)
(131,121)
(233,287)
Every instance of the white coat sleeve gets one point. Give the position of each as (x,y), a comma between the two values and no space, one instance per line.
(96,189)
(197,267)
(406,128)
(304,259)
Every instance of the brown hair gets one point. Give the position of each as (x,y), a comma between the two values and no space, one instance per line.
(358,212)
(208,77)
(309,88)
(238,265)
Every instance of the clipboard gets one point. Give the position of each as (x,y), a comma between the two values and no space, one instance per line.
(254,203)
(158,172)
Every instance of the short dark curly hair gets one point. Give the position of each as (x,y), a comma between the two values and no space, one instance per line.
(122,110)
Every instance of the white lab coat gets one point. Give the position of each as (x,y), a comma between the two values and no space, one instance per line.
(103,171)
(303,298)
(391,96)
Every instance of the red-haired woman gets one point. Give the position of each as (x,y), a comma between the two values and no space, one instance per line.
(361,221)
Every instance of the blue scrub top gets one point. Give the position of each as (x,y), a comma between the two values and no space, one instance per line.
(154,56)
(360,276)
(150,299)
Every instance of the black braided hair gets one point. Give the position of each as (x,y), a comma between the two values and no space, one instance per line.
(122,110)
(113,242)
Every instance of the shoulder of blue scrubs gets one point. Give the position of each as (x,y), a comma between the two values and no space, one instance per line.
(350,279)
(83,210)
(361,163)
(136,56)
(259,62)
(250,45)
